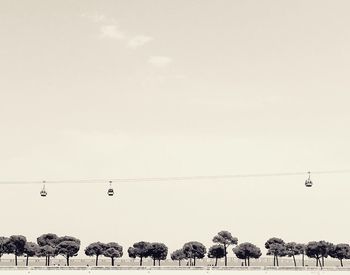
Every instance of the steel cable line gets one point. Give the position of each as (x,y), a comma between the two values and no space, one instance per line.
(176,178)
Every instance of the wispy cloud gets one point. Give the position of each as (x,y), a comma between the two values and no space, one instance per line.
(160,61)
(112,31)
(109,29)
(138,41)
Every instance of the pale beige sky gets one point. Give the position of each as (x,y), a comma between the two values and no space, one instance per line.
(124,89)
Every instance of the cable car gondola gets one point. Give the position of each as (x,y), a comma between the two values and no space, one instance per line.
(308,182)
(110,191)
(43,192)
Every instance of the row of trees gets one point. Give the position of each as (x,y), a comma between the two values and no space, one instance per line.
(50,245)
(317,250)
(111,250)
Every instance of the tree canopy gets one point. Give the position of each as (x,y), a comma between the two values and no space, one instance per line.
(194,250)
(47,243)
(46,251)
(217,252)
(340,251)
(47,239)
(158,251)
(95,249)
(312,250)
(293,249)
(319,250)
(178,255)
(140,250)
(277,248)
(30,250)
(113,250)
(325,248)
(68,247)
(15,245)
(246,251)
(226,239)
(3,247)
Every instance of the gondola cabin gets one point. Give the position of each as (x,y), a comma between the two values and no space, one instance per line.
(43,192)
(110,192)
(308,183)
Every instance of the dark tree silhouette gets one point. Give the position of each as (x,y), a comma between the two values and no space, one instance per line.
(15,245)
(226,239)
(178,255)
(140,250)
(30,249)
(46,251)
(95,249)
(47,239)
(325,248)
(302,250)
(113,250)
(312,250)
(247,251)
(158,251)
(277,248)
(216,251)
(68,247)
(194,250)
(3,248)
(340,251)
(293,249)
(48,243)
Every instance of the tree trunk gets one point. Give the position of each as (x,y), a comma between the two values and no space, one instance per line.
(245,262)
(67,260)
(27,260)
(48,260)
(216,261)
(341,262)
(277,260)
(45,260)
(248,261)
(303,263)
(179,262)
(112,261)
(274,260)
(225,248)
(316,261)
(295,263)
(322,261)
(140,261)
(194,261)
(15,259)
(154,262)
(159,262)
(96,260)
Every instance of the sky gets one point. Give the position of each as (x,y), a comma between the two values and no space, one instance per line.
(133,89)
